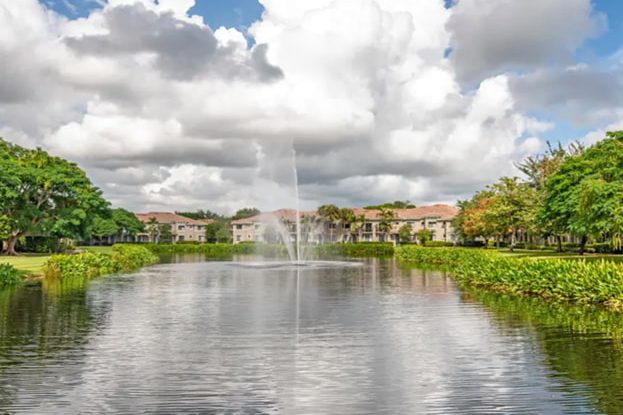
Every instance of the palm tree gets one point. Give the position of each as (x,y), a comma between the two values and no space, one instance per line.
(385,226)
(347,217)
(153,229)
(359,226)
(331,214)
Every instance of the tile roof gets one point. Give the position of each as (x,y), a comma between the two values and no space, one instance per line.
(439,211)
(168,217)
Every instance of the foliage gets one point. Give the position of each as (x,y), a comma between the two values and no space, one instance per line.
(438,244)
(132,257)
(398,204)
(44,195)
(424,235)
(9,275)
(364,249)
(218,231)
(200,214)
(406,233)
(125,258)
(217,250)
(127,221)
(599,282)
(101,227)
(246,213)
(584,197)
(386,215)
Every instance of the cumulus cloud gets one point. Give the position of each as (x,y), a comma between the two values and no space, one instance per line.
(489,37)
(166,113)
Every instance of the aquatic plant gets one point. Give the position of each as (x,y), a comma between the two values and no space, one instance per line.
(586,282)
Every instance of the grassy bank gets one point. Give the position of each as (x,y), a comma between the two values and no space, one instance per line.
(585,282)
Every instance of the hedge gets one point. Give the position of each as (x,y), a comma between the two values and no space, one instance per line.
(363,249)
(595,282)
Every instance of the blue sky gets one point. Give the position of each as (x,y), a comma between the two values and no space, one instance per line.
(229,13)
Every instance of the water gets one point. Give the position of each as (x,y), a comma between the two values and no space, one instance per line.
(214,337)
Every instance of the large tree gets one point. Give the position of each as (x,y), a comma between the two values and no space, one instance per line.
(43,194)
(585,196)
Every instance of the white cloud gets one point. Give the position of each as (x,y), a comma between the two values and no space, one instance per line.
(165,113)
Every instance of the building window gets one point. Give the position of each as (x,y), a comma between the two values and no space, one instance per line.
(432,224)
(238,238)
(180,238)
(238,226)
(181,227)
(368,227)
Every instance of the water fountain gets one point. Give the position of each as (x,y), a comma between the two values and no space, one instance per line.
(295,240)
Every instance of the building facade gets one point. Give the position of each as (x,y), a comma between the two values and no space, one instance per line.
(181,228)
(272,226)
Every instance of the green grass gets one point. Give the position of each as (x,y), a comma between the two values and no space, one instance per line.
(27,264)
(32,264)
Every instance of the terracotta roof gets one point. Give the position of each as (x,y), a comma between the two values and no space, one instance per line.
(440,211)
(281,214)
(168,217)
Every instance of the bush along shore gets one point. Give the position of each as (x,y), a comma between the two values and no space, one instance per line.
(125,258)
(9,275)
(364,249)
(598,282)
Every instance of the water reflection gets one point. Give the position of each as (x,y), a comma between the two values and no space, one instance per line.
(209,337)
(581,344)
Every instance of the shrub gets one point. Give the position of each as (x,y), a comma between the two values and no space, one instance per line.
(86,265)
(363,249)
(125,258)
(9,275)
(438,244)
(132,257)
(578,281)
(210,250)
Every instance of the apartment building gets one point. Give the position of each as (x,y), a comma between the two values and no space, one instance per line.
(181,227)
(266,226)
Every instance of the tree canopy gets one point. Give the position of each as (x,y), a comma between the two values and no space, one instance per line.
(44,195)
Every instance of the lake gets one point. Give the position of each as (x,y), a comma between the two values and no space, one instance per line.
(217,337)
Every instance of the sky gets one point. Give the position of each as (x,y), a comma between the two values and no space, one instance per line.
(184,104)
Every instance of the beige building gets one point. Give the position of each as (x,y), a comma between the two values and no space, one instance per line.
(182,228)
(261,228)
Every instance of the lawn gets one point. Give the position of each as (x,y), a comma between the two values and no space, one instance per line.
(28,264)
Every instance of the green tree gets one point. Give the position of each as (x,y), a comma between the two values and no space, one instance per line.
(218,231)
(153,230)
(42,194)
(398,204)
(246,213)
(165,232)
(102,227)
(385,225)
(512,208)
(127,222)
(200,214)
(585,196)
(406,233)
(330,214)
(424,235)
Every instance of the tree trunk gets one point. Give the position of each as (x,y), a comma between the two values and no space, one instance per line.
(10,250)
(559,243)
(583,244)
